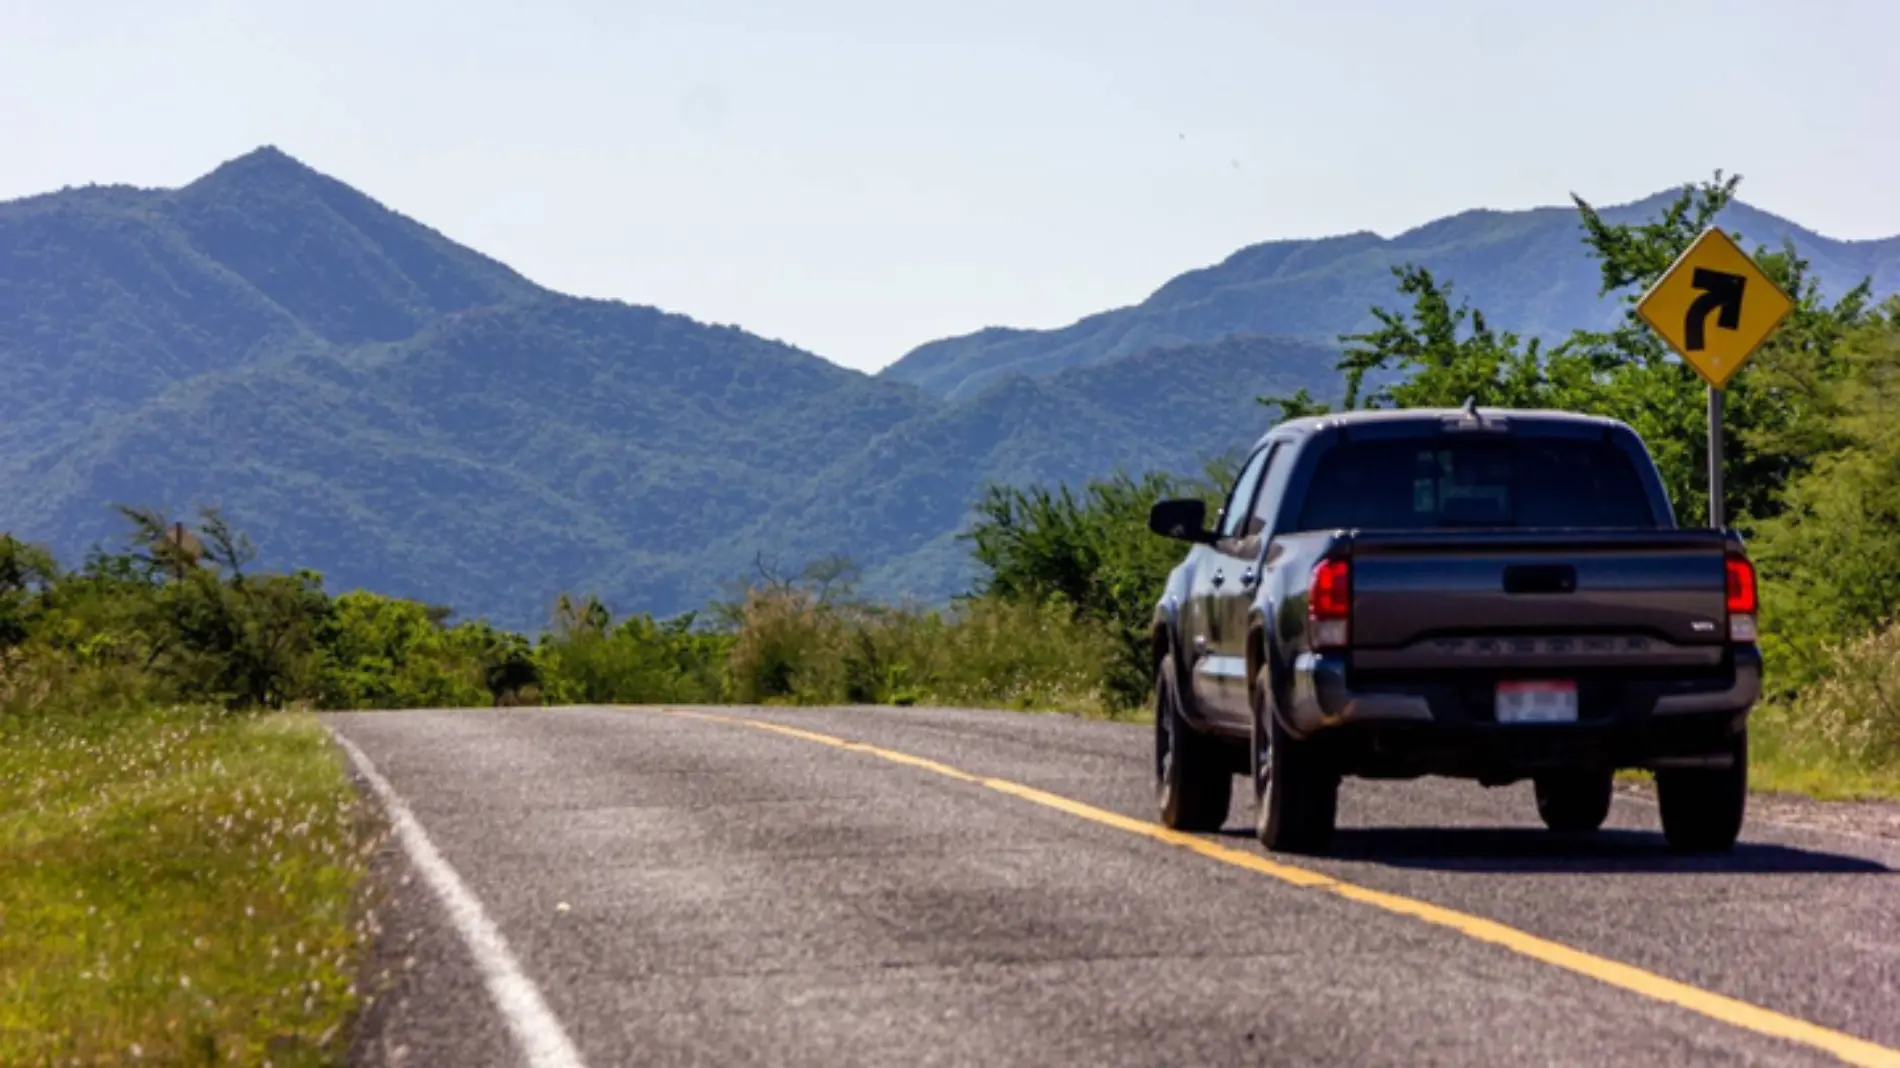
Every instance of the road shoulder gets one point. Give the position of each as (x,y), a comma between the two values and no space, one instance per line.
(421,995)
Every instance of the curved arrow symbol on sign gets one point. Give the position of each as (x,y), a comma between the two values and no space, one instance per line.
(1721,294)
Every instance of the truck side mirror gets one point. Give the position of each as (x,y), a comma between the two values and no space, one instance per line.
(1184,519)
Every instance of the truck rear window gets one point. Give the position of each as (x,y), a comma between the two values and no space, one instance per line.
(1432,483)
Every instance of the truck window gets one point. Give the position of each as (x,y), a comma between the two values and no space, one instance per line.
(1234,515)
(1266,505)
(1439,482)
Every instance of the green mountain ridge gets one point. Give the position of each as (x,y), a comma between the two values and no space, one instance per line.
(110,294)
(364,397)
(1527,270)
(519,441)
(1157,409)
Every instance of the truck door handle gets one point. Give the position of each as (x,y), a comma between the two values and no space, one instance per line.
(1218,579)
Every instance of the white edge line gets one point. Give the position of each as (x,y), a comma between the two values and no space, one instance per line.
(538,1034)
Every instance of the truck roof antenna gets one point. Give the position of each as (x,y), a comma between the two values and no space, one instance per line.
(1471,405)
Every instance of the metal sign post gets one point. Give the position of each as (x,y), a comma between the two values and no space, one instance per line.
(1717,516)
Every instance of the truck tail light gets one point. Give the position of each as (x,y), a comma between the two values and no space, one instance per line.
(1744,599)
(1329,605)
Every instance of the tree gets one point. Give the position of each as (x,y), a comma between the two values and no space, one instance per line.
(1830,560)
(1295,406)
(1439,355)
(387,652)
(585,616)
(27,573)
(1777,414)
(1092,553)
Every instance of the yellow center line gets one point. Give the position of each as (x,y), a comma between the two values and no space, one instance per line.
(1845,1047)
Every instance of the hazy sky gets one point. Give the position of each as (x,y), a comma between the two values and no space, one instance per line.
(860,177)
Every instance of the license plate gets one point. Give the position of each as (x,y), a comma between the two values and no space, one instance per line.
(1537,702)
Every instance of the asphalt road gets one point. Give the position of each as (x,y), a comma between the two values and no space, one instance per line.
(680,890)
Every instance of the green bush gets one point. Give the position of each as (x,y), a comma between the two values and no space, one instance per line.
(793,646)
(26,573)
(1016,654)
(509,671)
(38,680)
(586,659)
(1092,553)
(179,609)
(383,652)
(789,646)
(1831,560)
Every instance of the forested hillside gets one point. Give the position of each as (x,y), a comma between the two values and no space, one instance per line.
(366,398)
(108,295)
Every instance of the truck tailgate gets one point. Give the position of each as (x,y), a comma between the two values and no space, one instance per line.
(1650,597)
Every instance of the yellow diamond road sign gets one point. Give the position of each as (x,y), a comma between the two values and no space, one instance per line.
(1714,306)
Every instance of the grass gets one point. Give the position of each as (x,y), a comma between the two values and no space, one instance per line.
(176,887)
(1784,757)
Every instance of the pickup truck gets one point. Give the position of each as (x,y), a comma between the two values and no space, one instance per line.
(1484,594)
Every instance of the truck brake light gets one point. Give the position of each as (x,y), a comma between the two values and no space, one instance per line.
(1743,598)
(1329,605)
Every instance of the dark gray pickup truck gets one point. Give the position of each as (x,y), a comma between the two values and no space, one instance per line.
(1485,594)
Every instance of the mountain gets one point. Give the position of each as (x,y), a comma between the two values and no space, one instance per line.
(364,397)
(492,460)
(1172,408)
(1528,270)
(108,295)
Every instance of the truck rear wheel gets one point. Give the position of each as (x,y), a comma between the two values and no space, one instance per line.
(1296,792)
(1194,783)
(1574,802)
(1702,808)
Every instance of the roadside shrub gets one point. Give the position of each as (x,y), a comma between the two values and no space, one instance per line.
(386,652)
(38,680)
(1018,654)
(894,655)
(1831,561)
(245,642)
(792,646)
(26,573)
(1855,710)
(509,672)
(1092,552)
(180,606)
(788,646)
(587,659)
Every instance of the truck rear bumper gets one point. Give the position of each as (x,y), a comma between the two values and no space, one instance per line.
(1321,698)
(1407,727)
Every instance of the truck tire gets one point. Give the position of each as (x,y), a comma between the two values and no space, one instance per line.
(1702,808)
(1574,802)
(1194,783)
(1296,791)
